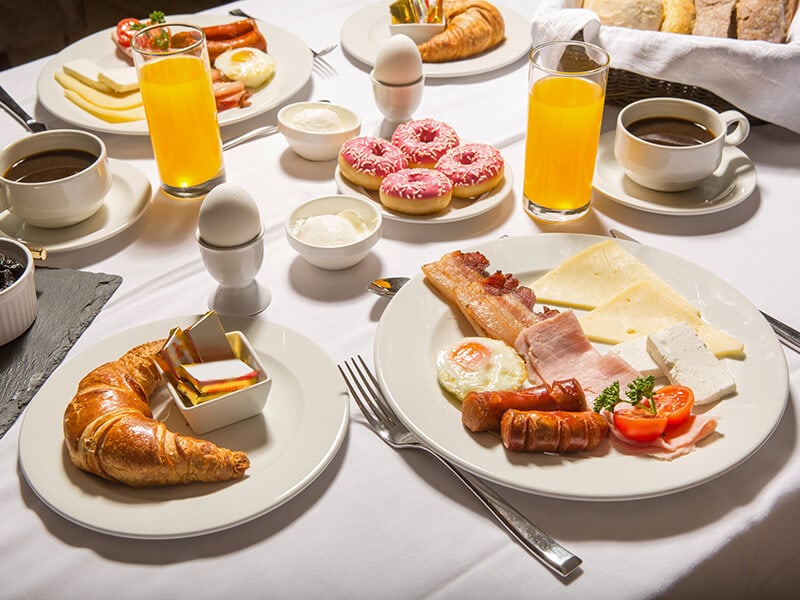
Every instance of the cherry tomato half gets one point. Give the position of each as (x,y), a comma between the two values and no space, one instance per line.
(674,402)
(125,30)
(639,424)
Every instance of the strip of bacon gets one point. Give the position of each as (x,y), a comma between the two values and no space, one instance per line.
(494,304)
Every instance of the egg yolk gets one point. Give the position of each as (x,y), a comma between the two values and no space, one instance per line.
(242,57)
(470,356)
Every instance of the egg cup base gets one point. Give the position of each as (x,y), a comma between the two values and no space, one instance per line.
(247,301)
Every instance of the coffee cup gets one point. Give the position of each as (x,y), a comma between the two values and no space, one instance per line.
(672,144)
(54,178)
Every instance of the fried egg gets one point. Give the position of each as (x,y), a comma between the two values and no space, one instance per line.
(479,364)
(251,66)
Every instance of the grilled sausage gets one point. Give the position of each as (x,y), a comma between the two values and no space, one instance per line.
(482,411)
(557,431)
(250,39)
(227,31)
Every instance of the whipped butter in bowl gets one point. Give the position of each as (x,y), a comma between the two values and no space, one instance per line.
(316,130)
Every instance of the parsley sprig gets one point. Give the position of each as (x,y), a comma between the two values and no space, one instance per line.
(160,39)
(639,393)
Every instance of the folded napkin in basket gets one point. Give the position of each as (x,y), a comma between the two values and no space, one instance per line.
(760,78)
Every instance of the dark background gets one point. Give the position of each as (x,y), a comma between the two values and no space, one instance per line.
(30,29)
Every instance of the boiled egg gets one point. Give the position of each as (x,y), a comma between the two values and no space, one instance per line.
(251,66)
(398,61)
(228,217)
(476,364)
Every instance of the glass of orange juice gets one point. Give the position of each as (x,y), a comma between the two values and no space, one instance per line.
(175,81)
(566,92)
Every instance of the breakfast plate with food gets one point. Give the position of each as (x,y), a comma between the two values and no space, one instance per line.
(729,185)
(431,332)
(287,446)
(67,87)
(364,32)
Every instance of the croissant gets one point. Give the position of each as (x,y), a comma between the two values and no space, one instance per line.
(473,26)
(110,431)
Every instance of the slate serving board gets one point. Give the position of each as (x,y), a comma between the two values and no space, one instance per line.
(68,301)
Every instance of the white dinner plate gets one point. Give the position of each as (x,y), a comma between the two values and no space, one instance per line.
(126,202)
(458,210)
(364,32)
(302,427)
(293,69)
(732,182)
(417,323)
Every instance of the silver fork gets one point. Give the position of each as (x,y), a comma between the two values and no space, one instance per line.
(366,392)
(324,67)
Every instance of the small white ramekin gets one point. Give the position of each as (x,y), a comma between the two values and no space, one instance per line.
(18,301)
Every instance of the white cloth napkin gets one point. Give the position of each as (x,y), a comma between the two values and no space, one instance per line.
(760,78)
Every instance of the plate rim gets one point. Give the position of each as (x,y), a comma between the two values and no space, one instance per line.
(496,196)
(50,93)
(451,69)
(154,508)
(483,462)
(744,184)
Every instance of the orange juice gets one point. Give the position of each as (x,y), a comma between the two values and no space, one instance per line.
(182,119)
(564,118)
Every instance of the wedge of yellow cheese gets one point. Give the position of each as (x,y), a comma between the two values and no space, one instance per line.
(592,276)
(106,100)
(648,307)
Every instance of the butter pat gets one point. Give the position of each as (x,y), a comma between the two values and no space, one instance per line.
(218,376)
(685,359)
(87,72)
(636,355)
(121,79)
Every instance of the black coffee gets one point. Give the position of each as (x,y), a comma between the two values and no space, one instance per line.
(671,131)
(49,166)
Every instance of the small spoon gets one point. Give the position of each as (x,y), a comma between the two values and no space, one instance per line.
(388,286)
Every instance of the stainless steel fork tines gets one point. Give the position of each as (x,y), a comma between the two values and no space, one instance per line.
(366,392)
(323,66)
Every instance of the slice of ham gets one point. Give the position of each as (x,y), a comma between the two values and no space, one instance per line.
(675,442)
(557,348)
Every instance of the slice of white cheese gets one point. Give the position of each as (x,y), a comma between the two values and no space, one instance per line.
(592,276)
(685,359)
(85,71)
(635,354)
(121,79)
(647,307)
(106,100)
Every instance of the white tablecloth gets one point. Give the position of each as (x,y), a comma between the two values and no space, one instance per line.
(380,523)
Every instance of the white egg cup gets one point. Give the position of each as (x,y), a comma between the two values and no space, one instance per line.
(235,269)
(397,103)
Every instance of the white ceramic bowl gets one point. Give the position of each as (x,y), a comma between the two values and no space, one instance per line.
(339,256)
(317,145)
(233,407)
(18,301)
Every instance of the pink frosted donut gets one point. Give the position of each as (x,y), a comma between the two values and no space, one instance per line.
(474,169)
(367,160)
(424,141)
(416,191)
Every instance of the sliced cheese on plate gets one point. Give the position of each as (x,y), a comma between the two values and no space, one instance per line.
(87,72)
(592,276)
(648,307)
(110,115)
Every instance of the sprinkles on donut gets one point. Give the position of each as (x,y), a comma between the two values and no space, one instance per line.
(366,160)
(474,169)
(416,191)
(424,141)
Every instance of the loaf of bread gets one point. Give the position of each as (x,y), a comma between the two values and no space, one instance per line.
(110,431)
(766,20)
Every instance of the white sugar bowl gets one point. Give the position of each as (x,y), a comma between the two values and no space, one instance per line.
(18,300)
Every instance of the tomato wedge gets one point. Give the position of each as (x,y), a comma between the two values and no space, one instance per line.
(125,30)
(674,402)
(639,424)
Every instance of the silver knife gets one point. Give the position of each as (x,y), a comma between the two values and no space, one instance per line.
(15,109)
(786,334)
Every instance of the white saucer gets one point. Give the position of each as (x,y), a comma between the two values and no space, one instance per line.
(732,183)
(126,202)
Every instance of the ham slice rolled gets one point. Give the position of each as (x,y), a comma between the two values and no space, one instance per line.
(557,431)
(483,411)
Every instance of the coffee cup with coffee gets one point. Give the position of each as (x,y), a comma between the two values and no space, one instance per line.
(673,144)
(54,178)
